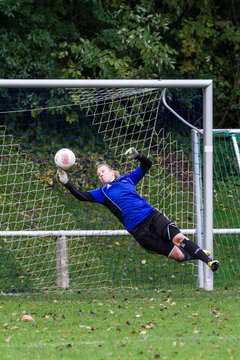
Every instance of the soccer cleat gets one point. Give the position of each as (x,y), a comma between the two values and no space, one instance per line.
(213,265)
(207,252)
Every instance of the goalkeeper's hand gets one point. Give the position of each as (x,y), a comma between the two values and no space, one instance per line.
(62,176)
(132,153)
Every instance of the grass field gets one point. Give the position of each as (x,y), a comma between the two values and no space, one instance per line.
(122,324)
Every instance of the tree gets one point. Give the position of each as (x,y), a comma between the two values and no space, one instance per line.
(126,39)
(167,39)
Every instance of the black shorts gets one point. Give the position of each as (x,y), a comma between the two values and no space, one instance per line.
(155,233)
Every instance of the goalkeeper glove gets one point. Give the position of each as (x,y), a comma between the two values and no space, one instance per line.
(132,153)
(62,176)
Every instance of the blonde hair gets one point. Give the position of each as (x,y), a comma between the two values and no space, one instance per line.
(116,172)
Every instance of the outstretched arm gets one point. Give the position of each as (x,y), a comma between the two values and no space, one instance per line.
(145,162)
(80,195)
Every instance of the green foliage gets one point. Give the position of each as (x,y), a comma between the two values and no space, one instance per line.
(209,48)
(29,33)
(126,39)
(86,59)
(128,45)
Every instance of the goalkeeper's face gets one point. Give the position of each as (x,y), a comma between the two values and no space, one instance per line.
(105,174)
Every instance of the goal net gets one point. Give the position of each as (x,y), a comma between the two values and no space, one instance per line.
(48,238)
(226,199)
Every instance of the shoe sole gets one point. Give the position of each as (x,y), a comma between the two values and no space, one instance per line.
(214,266)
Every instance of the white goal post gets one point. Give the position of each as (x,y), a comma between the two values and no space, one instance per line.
(205,275)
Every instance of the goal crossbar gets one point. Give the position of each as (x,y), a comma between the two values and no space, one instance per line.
(68,83)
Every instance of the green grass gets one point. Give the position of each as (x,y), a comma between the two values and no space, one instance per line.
(177,324)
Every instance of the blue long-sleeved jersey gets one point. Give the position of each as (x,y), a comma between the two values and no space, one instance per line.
(120,196)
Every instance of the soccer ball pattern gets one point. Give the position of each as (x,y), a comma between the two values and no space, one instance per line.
(65,159)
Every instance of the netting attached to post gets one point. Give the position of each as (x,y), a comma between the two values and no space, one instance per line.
(99,125)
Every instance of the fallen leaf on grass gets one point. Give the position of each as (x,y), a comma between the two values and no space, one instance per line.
(14,328)
(148,325)
(85,327)
(194,315)
(216,312)
(62,347)
(167,301)
(26,318)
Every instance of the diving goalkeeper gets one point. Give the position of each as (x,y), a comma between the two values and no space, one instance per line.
(149,226)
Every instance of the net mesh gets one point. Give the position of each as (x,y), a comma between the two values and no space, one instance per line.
(98,125)
(227,203)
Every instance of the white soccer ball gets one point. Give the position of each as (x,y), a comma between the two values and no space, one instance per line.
(65,159)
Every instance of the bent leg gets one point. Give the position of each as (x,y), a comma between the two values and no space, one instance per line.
(191,248)
(179,255)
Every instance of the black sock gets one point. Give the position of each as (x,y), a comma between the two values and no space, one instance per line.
(194,250)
